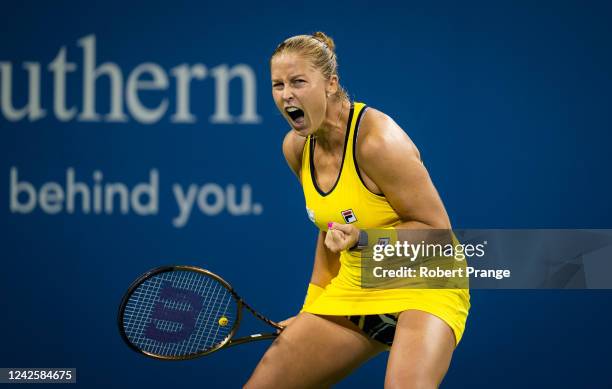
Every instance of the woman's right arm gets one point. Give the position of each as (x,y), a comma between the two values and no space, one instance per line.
(326,266)
(326,263)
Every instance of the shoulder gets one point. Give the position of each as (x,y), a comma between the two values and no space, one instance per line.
(382,140)
(293,145)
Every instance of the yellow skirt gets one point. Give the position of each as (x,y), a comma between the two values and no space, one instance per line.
(344,296)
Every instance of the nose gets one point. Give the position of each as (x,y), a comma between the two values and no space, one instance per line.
(287,94)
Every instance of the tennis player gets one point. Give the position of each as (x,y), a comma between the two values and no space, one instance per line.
(359,170)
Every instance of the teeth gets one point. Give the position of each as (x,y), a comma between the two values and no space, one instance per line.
(292,109)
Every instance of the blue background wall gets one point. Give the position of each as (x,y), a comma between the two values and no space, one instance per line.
(509,103)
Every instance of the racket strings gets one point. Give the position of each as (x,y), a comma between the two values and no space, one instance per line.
(208,301)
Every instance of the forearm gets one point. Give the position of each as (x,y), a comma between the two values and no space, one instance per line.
(349,237)
(326,266)
(435,230)
(442,223)
(326,263)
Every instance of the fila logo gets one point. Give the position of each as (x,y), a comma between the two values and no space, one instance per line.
(349,216)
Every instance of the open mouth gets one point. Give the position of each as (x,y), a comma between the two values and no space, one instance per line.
(296,114)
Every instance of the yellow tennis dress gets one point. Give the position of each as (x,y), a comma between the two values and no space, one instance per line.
(350,201)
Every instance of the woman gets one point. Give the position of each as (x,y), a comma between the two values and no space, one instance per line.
(359,171)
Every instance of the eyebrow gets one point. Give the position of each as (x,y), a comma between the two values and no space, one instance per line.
(292,77)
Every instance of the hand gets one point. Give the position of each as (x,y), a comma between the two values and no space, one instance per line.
(340,237)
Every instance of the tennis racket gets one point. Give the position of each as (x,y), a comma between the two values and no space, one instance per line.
(183,312)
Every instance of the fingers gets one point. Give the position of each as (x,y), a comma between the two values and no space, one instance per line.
(329,241)
(285,323)
(345,228)
(336,240)
(340,237)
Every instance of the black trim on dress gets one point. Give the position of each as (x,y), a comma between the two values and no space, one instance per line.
(312,148)
(355,151)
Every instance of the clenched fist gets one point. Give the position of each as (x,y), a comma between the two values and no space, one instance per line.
(341,236)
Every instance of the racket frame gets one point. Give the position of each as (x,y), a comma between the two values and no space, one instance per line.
(226,342)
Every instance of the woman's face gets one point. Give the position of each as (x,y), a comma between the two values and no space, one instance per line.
(300,92)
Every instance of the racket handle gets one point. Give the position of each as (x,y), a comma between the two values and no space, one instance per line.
(250,338)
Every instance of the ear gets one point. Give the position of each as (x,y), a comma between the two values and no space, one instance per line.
(332,85)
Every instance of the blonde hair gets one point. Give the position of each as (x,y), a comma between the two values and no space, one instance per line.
(319,49)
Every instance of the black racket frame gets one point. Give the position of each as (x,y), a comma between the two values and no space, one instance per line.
(226,342)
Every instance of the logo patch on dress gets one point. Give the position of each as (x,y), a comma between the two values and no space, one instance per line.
(311,214)
(349,216)
(383,241)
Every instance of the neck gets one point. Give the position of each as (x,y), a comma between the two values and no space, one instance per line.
(330,136)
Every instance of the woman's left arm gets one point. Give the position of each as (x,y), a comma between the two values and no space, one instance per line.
(387,156)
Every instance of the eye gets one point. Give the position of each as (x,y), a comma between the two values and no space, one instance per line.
(277,85)
(299,81)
